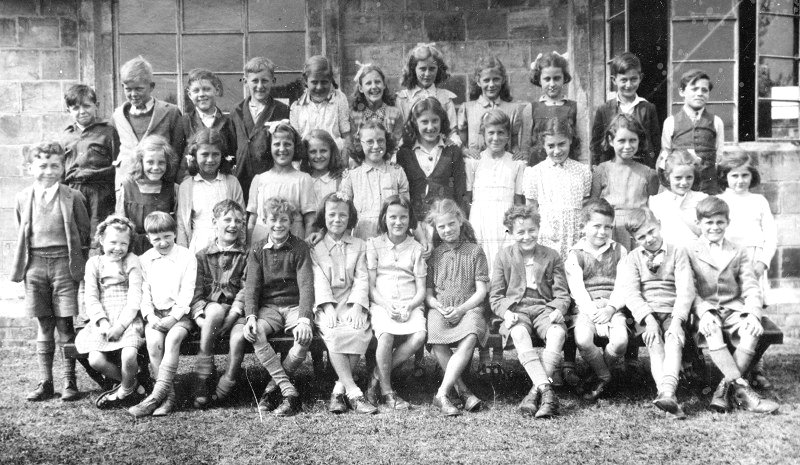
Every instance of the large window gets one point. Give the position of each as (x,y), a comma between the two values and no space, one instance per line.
(178,35)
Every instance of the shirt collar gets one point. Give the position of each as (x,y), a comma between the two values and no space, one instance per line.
(647,253)
(214,248)
(392,245)
(48,192)
(199,178)
(692,114)
(172,255)
(272,245)
(583,245)
(485,102)
(557,165)
(330,243)
(382,167)
(712,244)
(147,107)
(325,178)
(204,117)
(635,102)
(419,90)
(546,101)
(306,98)
(439,145)
(75,127)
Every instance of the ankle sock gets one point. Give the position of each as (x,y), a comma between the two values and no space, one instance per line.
(533,366)
(744,358)
(296,356)
(272,362)
(594,358)
(726,364)
(552,364)
(224,387)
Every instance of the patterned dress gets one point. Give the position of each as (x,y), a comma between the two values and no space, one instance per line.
(559,190)
(113,291)
(494,182)
(452,273)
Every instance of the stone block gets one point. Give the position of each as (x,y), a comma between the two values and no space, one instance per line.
(789,198)
(390,57)
(350,6)
(314,14)
(69,33)
(402,27)
(445,27)
(529,24)
(507,3)
(8,32)
(10,97)
(38,32)
(515,54)
(782,164)
(7,251)
(426,5)
(8,227)
(469,5)
(486,25)
(457,84)
(11,162)
(59,8)
(17,7)
(20,129)
(770,191)
(19,65)
(361,29)
(379,6)
(788,225)
(41,96)
(559,23)
(521,88)
(790,262)
(461,56)
(53,124)
(62,64)
(9,187)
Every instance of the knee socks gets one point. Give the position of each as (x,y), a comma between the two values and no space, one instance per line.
(671,367)
(224,387)
(552,364)
(744,358)
(166,376)
(657,362)
(204,367)
(272,362)
(594,357)
(68,367)
(726,364)
(295,357)
(611,358)
(44,355)
(533,366)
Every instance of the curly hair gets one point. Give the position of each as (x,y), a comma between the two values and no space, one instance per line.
(212,137)
(491,63)
(549,60)
(116,222)
(279,206)
(338,198)
(359,99)
(153,143)
(411,130)
(44,150)
(520,212)
(444,207)
(285,128)
(336,165)
(357,151)
(227,205)
(423,52)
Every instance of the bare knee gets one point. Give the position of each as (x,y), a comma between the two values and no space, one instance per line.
(556,336)
(129,356)
(584,337)
(96,359)
(418,339)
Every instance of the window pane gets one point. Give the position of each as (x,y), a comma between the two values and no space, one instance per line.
(774,35)
(697,40)
(777,72)
(232,91)
(790,7)
(722,77)
(702,7)
(147,16)
(288,88)
(219,52)
(277,15)
(778,120)
(158,49)
(616,6)
(286,49)
(166,88)
(617,35)
(216,15)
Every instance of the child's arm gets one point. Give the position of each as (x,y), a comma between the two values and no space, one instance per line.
(577,288)
(421,236)
(719,126)
(463,132)
(186,292)
(750,289)
(359,293)
(650,123)
(323,295)
(251,226)
(598,183)
(499,287)
(94,308)
(305,284)
(119,206)
(199,301)
(252,207)
(450,109)
(184,213)
(684,287)
(254,282)
(147,309)
(628,283)
(519,192)
(421,274)
(479,296)
(666,141)
(308,222)
(372,269)
(561,299)
(134,301)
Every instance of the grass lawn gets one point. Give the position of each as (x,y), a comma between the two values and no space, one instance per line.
(624,428)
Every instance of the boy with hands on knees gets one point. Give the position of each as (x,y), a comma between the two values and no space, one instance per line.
(656,279)
(529,291)
(728,305)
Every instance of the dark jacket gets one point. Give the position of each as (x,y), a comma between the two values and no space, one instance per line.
(90,153)
(447,181)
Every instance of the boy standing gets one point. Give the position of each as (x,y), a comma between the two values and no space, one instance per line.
(91,147)
(529,291)
(728,305)
(249,118)
(656,280)
(279,296)
(143,115)
(696,130)
(53,240)
(626,73)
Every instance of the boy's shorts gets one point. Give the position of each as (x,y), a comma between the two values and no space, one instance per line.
(279,318)
(50,290)
(185,322)
(536,325)
(730,322)
(664,322)
(618,320)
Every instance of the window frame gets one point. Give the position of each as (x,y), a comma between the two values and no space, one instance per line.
(626,40)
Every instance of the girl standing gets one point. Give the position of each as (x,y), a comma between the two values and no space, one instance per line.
(372,100)
(676,207)
(113,295)
(494,184)
(397,291)
(281,180)
(558,186)
(145,190)
(434,170)
(457,284)
(626,184)
(550,71)
(341,292)
(425,69)
(210,181)
(322,162)
(488,90)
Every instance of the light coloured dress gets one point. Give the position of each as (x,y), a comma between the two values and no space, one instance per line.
(341,278)
(559,190)
(494,182)
(675,214)
(113,291)
(294,186)
(196,200)
(398,267)
(625,186)
(453,270)
(369,186)
(471,114)
(324,185)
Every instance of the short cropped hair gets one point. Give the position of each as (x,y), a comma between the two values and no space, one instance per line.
(598,206)
(136,69)
(44,150)
(116,222)
(404,202)
(279,206)
(733,160)
(259,64)
(625,62)
(224,206)
(637,218)
(520,212)
(694,75)
(78,94)
(160,222)
(496,118)
(200,74)
(335,197)
(711,206)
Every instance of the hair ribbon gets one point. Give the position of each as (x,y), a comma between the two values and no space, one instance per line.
(273,125)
